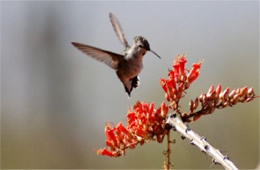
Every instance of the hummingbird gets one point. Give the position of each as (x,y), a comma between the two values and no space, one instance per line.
(127,65)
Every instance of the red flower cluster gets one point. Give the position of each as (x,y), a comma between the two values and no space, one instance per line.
(144,123)
(215,99)
(179,80)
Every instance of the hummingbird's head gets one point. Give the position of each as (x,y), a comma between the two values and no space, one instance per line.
(142,43)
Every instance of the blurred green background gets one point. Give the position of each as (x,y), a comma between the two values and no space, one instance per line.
(55,100)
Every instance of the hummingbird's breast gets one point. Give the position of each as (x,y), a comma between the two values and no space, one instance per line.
(133,63)
(136,66)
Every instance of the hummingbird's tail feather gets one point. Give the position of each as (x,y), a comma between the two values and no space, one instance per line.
(128,91)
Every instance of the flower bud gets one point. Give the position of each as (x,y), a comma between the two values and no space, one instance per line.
(244,91)
(232,93)
(210,91)
(250,92)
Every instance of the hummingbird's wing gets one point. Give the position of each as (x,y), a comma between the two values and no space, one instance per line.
(107,57)
(118,30)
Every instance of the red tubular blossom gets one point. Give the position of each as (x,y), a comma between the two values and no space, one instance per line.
(218,89)
(143,122)
(110,134)
(250,91)
(131,116)
(104,152)
(193,77)
(151,108)
(224,95)
(110,144)
(144,107)
(122,129)
(244,90)
(140,132)
(196,66)
(131,145)
(176,67)
(171,83)
(182,62)
(211,90)
(194,72)
(171,74)
(163,84)
(164,109)
(179,80)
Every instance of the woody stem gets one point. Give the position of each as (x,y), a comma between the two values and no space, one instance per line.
(168,151)
(176,123)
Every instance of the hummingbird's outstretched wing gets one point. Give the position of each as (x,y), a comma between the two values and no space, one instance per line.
(107,57)
(118,29)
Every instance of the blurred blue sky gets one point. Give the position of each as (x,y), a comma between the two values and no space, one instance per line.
(55,100)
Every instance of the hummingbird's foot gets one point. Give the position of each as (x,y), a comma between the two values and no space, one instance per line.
(135,82)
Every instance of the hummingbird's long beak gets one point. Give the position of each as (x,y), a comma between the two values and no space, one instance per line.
(155,53)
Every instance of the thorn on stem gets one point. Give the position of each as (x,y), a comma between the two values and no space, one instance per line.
(206,147)
(226,158)
(215,162)
(203,138)
(187,129)
(191,142)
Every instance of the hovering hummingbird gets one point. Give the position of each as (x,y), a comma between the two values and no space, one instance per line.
(127,65)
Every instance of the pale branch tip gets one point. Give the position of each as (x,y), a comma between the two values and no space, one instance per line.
(200,142)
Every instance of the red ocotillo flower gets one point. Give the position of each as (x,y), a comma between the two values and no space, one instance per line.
(144,123)
(179,79)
